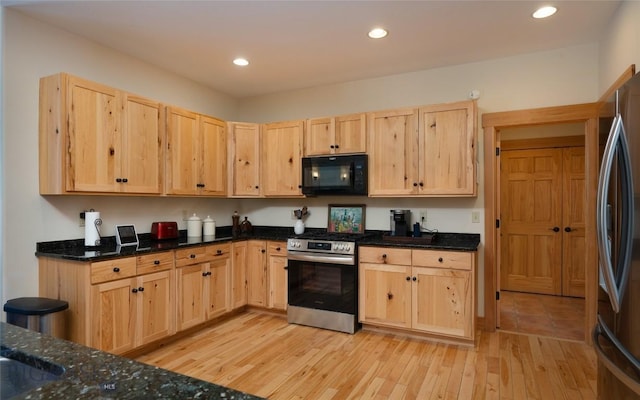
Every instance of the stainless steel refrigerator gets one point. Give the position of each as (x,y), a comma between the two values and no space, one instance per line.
(617,332)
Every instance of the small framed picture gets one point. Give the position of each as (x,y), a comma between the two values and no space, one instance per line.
(346,218)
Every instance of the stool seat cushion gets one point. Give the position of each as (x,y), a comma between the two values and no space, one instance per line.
(34,306)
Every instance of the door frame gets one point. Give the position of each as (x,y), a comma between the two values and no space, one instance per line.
(492,123)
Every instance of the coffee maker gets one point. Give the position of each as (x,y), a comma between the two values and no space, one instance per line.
(400,221)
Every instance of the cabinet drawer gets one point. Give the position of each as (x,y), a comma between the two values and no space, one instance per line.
(442,259)
(385,255)
(110,270)
(154,262)
(219,250)
(192,255)
(277,248)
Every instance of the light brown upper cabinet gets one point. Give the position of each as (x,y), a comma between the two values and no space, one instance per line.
(426,151)
(97,139)
(196,154)
(281,159)
(336,135)
(244,156)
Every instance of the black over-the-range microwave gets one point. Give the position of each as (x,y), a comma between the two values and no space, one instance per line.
(335,175)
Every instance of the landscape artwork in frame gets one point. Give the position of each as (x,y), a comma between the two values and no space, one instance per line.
(346,218)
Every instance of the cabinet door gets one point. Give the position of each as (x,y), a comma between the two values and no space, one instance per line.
(191,290)
(183,152)
(351,133)
(214,157)
(257,273)
(573,218)
(281,154)
(277,252)
(319,137)
(94,137)
(156,307)
(393,152)
(245,147)
(219,276)
(114,315)
(385,294)
(142,150)
(239,280)
(447,143)
(443,301)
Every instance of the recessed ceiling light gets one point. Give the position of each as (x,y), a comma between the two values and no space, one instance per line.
(241,62)
(544,12)
(377,33)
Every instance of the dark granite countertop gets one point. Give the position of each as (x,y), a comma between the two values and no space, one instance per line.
(93,374)
(76,251)
(441,241)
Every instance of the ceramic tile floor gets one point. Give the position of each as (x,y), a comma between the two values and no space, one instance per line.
(554,316)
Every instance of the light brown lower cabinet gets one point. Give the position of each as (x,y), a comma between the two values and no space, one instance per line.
(266,274)
(239,275)
(114,305)
(203,276)
(427,291)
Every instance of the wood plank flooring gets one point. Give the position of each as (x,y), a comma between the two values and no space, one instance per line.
(262,355)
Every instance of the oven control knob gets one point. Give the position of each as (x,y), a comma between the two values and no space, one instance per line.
(347,248)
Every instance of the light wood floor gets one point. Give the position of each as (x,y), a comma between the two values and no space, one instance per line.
(538,314)
(262,355)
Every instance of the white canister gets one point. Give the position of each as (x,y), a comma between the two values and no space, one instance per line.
(194,226)
(209,227)
(298,227)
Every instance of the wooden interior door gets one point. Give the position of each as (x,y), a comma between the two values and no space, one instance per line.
(531,217)
(573,216)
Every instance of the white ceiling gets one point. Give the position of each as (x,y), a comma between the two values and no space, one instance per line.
(306,43)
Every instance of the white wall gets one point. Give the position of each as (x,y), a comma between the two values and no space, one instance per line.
(620,47)
(32,50)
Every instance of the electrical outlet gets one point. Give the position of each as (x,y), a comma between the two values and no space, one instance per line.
(81,220)
(422,214)
(475,217)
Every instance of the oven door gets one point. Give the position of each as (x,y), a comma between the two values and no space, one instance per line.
(323,286)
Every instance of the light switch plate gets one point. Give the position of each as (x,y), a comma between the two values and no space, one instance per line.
(475,217)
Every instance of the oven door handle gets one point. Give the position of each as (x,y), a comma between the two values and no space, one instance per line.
(332,259)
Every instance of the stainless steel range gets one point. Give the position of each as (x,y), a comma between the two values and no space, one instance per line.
(323,281)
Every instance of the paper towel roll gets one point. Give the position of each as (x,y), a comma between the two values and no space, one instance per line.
(92,224)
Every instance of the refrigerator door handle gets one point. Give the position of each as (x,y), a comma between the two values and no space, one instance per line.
(615,287)
(602,329)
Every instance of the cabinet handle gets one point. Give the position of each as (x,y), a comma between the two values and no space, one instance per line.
(140,289)
(192,256)
(567,229)
(263,251)
(421,184)
(125,180)
(337,146)
(389,295)
(118,180)
(277,248)
(555,229)
(440,259)
(219,252)
(257,187)
(414,279)
(204,274)
(415,184)
(332,147)
(408,278)
(116,269)
(156,262)
(285,267)
(134,290)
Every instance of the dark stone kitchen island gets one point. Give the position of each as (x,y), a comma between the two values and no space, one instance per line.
(92,374)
